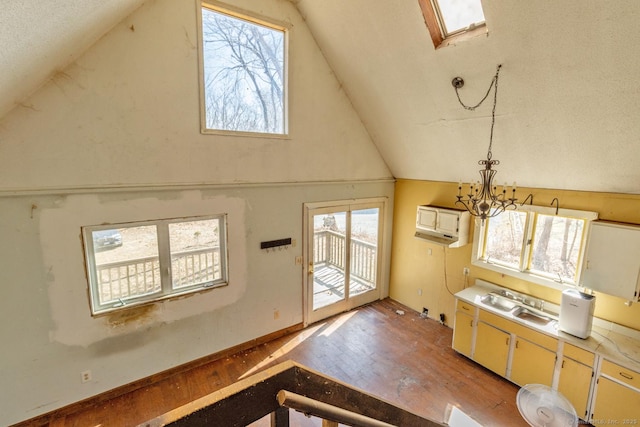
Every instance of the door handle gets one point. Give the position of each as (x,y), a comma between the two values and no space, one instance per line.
(310,268)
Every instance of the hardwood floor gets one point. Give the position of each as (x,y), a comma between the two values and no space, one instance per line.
(404,359)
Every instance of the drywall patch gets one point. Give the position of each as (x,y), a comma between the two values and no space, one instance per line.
(63,260)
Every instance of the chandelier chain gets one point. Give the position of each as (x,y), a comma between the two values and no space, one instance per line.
(483,199)
(494,84)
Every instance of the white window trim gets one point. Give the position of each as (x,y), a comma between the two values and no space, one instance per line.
(164,254)
(478,246)
(259,20)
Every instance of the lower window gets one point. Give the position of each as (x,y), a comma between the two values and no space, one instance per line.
(136,263)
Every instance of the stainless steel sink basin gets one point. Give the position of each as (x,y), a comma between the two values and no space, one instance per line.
(527,315)
(498,302)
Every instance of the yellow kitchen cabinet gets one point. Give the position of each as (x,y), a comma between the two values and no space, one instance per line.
(492,348)
(463,328)
(463,333)
(531,363)
(576,373)
(616,402)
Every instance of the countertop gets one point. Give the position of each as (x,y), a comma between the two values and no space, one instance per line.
(609,340)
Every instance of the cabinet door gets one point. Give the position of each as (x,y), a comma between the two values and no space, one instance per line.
(448,223)
(612,265)
(532,364)
(574,383)
(615,404)
(463,333)
(426,218)
(492,348)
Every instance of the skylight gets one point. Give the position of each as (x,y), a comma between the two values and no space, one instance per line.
(453,20)
(459,15)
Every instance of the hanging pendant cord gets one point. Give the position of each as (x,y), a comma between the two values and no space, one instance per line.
(494,82)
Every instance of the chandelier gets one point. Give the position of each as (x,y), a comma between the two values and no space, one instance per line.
(484,200)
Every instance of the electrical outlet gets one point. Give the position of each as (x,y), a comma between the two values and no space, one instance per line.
(85,376)
(276,314)
(298,260)
(465,271)
(419,292)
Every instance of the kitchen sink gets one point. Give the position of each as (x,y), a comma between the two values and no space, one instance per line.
(496,301)
(527,315)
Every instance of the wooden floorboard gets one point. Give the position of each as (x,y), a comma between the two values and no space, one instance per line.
(404,359)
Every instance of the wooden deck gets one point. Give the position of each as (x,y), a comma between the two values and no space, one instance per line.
(328,286)
(403,359)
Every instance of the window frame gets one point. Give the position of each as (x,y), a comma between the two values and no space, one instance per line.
(167,290)
(524,270)
(256,19)
(437,29)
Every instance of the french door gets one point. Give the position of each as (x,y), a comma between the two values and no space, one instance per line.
(342,256)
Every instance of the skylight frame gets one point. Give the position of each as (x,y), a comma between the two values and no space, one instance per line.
(437,27)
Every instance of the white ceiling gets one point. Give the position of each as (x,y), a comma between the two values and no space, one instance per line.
(568,99)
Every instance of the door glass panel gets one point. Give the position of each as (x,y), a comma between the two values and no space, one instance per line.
(329,258)
(364,251)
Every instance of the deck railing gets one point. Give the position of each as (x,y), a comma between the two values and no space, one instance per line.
(330,246)
(136,277)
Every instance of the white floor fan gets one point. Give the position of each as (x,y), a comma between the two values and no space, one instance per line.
(541,406)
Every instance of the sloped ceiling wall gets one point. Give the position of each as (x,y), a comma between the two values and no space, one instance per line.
(568,93)
(40,37)
(568,103)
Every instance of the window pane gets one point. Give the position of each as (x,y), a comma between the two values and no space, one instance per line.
(459,14)
(195,252)
(243,74)
(556,246)
(127,263)
(505,234)
(364,250)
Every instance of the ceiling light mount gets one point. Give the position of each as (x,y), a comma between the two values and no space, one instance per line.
(457,82)
(484,200)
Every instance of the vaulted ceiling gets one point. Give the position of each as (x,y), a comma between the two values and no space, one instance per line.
(39,38)
(568,99)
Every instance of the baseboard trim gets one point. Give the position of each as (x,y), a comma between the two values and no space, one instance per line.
(82,405)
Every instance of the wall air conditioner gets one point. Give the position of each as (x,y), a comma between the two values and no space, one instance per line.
(443,226)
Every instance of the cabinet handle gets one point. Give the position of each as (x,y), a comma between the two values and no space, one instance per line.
(471,323)
(517,343)
(464,307)
(625,375)
(562,366)
(507,340)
